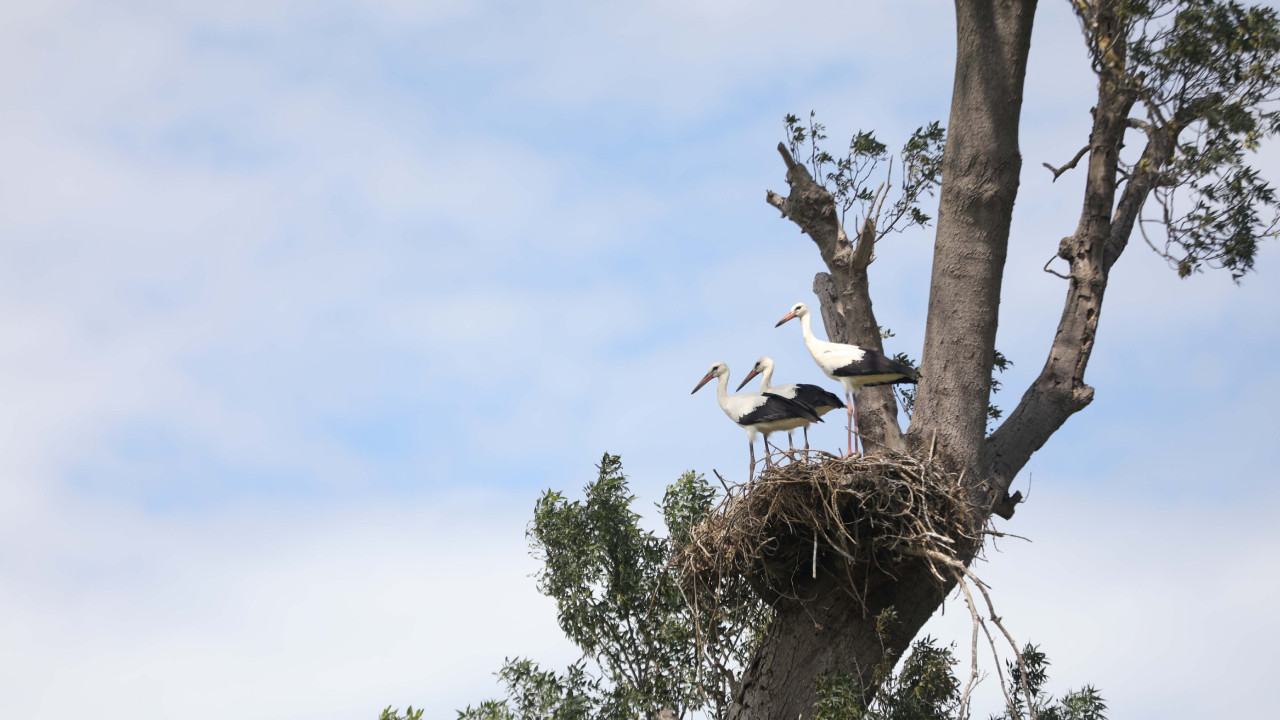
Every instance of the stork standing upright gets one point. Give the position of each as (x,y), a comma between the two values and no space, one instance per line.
(815,397)
(757,412)
(854,367)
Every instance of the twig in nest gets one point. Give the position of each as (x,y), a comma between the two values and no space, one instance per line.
(998,533)
(723,484)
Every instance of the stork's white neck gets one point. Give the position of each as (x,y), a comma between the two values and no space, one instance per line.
(766,379)
(807,329)
(722,391)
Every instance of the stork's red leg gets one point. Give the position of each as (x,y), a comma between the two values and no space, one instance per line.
(856,437)
(849,397)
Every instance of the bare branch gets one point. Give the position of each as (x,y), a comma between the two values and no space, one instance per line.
(1070,165)
(786,156)
(863,251)
(777,201)
(973,660)
(1051,271)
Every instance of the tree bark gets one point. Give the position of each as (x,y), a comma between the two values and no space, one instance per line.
(980,170)
(831,635)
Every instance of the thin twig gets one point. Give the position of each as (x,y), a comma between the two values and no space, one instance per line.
(1057,172)
(973,661)
(1051,271)
(723,484)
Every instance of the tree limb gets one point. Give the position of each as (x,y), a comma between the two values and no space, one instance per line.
(1142,125)
(1074,161)
(1060,391)
(777,201)
(843,292)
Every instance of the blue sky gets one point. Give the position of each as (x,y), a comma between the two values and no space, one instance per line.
(305,303)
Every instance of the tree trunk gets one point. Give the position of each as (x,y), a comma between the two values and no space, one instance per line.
(833,636)
(830,634)
(980,170)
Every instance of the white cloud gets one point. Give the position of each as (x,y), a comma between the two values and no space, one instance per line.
(281,613)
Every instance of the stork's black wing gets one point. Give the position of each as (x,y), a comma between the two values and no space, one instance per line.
(776,407)
(874,363)
(816,397)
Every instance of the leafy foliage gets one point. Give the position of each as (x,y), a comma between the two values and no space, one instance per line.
(545,694)
(1207,73)
(616,599)
(409,714)
(847,178)
(926,688)
(906,394)
(1082,704)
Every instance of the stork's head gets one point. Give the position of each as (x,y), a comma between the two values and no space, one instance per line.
(717,370)
(762,366)
(799,310)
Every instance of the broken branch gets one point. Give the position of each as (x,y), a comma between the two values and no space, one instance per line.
(1074,161)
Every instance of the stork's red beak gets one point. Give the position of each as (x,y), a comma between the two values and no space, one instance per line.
(704,381)
(785,318)
(750,375)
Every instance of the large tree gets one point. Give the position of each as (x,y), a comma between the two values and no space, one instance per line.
(1190,84)
(1186,89)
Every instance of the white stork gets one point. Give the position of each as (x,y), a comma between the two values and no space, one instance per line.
(815,397)
(757,412)
(854,367)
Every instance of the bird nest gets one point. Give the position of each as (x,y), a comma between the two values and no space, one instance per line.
(856,520)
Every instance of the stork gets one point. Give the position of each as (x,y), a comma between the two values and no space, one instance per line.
(815,397)
(757,412)
(854,367)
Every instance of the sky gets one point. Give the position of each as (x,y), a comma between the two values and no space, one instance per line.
(305,303)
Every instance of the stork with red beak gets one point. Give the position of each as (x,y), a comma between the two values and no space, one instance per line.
(815,397)
(757,412)
(852,366)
